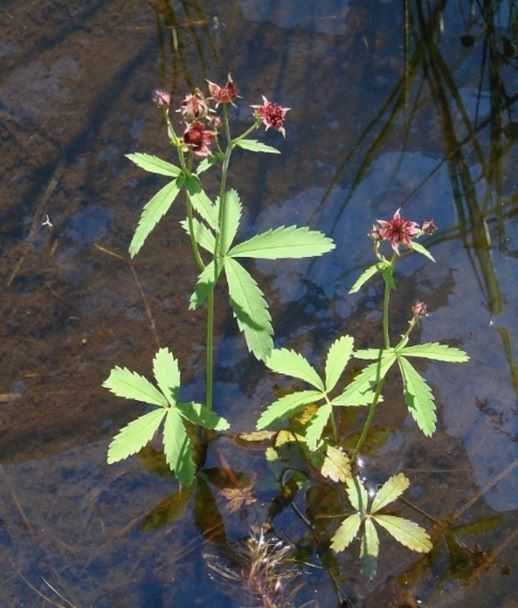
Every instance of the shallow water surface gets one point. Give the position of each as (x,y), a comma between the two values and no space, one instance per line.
(394,104)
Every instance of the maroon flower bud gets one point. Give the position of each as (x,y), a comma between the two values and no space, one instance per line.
(194,107)
(161,98)
(397,231)
(374,233)
(428,227)
(272,115)
(223,94)
(199,139)
(419,310)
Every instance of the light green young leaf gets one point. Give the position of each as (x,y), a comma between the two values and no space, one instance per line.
(367,274)
(233,209)
(202,235)
(256,146)
(357,494)
(153,164)
(152,213)
(178,448)
(134,436)
(437,352)
(418,397)
(370,354)
(203,286)
(406,532)
(418,248)
(250,309)
(284,242)
(390,491)
(288,362)
(167,373)
(337,359)
(286,406)
(125,383)
(206,164)
(336,465)
(346,533)
(317,425)
(361,390)
(201,416)
(201,203)
(370,541)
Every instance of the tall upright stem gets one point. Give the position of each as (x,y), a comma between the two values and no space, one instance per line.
(218,253)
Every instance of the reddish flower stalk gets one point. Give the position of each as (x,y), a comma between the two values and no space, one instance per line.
(397,231)
(227,93)
(199,139)
(272,115)
(161,98)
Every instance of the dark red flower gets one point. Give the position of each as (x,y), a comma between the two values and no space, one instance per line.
(199,139)
(428,227)
(194,107)
(398,231)
(272,115)
(419,309)
(223,94)
(161,98)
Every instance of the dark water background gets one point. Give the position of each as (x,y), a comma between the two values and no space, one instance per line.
(410,104)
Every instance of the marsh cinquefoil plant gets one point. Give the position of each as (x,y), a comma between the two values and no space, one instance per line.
(203,142)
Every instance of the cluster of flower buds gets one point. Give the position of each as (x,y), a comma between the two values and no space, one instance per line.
(400,231)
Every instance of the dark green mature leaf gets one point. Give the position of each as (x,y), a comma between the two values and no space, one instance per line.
(233,209)
(361,390)
(390,491)
(203,287)
(417,247)
(317,425)
(152,213)
(167,373)
(134,436)
(153,164)
(125,383)
(286,406)
(201,416)
(168,511)
(337,359)
(250,309)
(288,362)
(418,397)
(178,448)
(201,203)
(284,242)
(406,532)
(367,274)
(202,235)
(346,533)
(256,146)
(437,352)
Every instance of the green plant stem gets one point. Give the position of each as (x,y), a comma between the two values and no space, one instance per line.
(386,313)
(187,168)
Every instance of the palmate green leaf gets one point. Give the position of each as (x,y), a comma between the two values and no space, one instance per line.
(437,352)
(284,242)
(256,146)
(357,494)
(286,406)
(153,164)
(418,248)
(203,286)
(134,436)
(250,309)
(233,210)
(336,465)
(337,359)
(124,383)
(418,398)
(202,235)
(346,533)
(371,354)
(370,541)
(406,532)
(390,491)
(167,373)
(201,416)
(317,425)
(206,164)
(361,390)
(367,274)
(200,202)
(178,447)
(288,362)
(152,213)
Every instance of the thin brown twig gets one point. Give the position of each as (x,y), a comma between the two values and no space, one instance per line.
(147,308)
